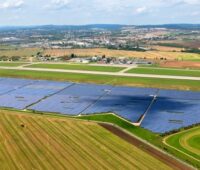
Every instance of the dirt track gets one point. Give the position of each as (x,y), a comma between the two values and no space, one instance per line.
(170,161)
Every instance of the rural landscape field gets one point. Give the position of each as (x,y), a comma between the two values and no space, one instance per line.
(43,142)
(111,85)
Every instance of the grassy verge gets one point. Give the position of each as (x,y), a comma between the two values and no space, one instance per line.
(150,137)
(11,64)
(186,141)
(104,79)
(160,71)
(78,67)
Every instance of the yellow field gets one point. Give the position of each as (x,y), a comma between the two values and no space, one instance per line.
(22,52)
(167,49)
(122,53)
(30,141)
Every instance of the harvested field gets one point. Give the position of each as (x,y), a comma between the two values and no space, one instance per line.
(29,141)
(190,44)
(181,64)
(22,52)
(159,155)
(122,53)
(181,43)
(167,49)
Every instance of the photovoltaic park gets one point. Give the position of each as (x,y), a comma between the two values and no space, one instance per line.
(157,110)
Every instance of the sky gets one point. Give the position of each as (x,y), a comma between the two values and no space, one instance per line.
(82,12)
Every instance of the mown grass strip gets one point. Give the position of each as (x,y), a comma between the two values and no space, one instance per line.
(11,64)
(104,79)
(170,72)
(176,141)
(78,67)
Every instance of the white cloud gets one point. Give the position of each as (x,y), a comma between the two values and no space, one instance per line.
(191,2)
(188,2)
(141,10)
(195,13)
(11,4)
(58,4)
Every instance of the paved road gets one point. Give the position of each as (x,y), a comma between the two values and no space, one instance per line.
(104,73)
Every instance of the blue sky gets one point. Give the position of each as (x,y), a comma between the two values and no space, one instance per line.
(79,12)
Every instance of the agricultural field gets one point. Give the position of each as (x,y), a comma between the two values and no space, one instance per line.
(6,47)
(22,52)
(165,71)
(122,53)
(154,139)
(29,141)
(11,64)
(78,67)
(181,64)
(186,142)
(167,49)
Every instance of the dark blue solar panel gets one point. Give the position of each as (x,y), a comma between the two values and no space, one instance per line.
(172,109)
(29,94)
(128,108)
(9,84)
(133,91)
(170,114)
(86,90)
(72,100)
(66,104)
(176,94)
(16,82)
(18,101)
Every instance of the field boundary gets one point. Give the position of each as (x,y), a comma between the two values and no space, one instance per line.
(166,158)
(165,142)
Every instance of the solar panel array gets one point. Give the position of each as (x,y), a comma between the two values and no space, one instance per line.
(72,100)
(20,93)
(129,103)
(171,110)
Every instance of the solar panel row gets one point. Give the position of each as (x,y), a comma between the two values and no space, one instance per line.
(172,109)
(170,114)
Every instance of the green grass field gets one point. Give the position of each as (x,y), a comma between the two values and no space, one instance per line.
(78,67)
(187,141)
(45,142)
(11,64)
(163,71)
(154,139)
(104,79)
